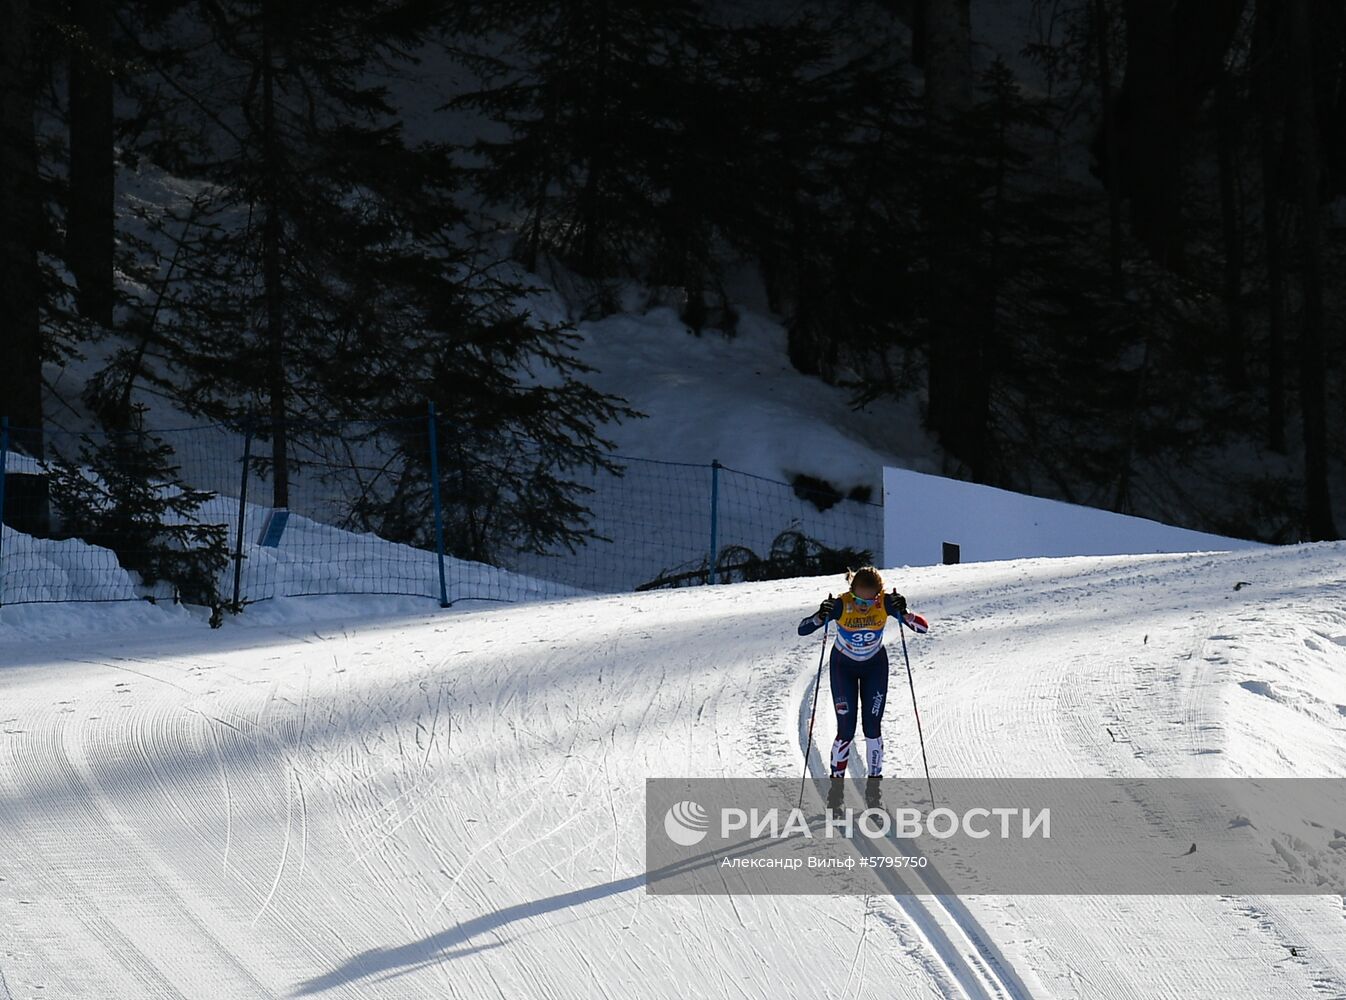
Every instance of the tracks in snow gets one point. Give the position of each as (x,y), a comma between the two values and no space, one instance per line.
(966,961)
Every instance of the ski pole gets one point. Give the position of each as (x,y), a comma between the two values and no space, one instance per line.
(902,631)
(817,683)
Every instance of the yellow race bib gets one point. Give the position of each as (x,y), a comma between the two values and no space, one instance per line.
(860,630)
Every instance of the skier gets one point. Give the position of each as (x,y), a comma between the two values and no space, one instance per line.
(858,671)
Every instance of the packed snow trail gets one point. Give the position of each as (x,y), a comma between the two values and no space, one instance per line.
(452,803)
(974,967)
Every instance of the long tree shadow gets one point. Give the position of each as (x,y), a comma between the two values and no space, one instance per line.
(388,963)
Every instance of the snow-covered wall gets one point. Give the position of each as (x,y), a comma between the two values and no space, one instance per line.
(921,512)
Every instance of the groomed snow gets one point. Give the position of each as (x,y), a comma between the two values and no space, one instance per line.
(449,803)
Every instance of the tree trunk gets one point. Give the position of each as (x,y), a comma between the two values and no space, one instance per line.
(1308,177)
(20,231)
(21,221)
(1110,146)
(1231,218)
(1269,93)
(1154,160)
(594,221)
(90,217)
(1275,293)
(272,280)
(958,384)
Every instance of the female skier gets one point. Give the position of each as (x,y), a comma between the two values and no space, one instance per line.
(859,670)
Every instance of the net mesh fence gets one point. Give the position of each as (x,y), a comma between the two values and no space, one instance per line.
(393,507)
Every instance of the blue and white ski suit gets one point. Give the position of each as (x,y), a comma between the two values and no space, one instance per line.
(858,673)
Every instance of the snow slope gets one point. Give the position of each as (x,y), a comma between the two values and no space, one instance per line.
(450,803)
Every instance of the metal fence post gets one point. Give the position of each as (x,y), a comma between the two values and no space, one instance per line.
(242,514)
(439,507)
(4,466)
(714,518)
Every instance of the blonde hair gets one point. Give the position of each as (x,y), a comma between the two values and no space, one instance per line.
(865,576)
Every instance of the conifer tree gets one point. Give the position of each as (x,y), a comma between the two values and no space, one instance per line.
(583,91)
(324,272)
(123,492)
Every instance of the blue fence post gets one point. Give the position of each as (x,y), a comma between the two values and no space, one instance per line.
(439,506)
(714,518)
(242,514)
(4,466)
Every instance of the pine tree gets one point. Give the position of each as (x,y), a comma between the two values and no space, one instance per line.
(123,493)
(90,237)
(649,141)
(584,90)
(516,418)
(322,284)
(322,242)
(851,238)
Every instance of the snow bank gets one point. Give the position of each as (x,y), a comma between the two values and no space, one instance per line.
(921,512)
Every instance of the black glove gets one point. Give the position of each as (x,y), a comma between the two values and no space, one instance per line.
(826,608)
(899,603)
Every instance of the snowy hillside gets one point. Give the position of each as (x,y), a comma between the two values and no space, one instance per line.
(741,401)
(450,803)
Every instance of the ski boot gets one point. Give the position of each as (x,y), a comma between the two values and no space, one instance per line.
(835,791)
(873,794)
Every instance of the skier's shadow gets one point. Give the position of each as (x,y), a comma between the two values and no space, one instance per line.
(382,964)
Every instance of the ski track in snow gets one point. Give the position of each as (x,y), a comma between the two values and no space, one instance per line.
(966,955)
(453,805)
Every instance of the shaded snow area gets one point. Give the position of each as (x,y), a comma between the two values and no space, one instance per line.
(739,400)
(421,803)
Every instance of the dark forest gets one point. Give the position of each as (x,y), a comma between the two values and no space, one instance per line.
(1119,283)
